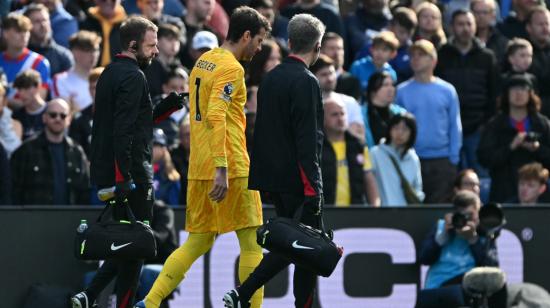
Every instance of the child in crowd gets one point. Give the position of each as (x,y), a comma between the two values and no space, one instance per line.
(519,56)
(403,25)
(532,180)
(384,48)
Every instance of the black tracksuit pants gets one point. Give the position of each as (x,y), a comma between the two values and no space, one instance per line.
(304,280)
(127,271)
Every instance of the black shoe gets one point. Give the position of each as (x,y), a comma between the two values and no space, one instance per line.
(81,300)
(231,300)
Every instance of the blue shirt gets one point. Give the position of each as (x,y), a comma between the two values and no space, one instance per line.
(401,63)
(436,108)
(456,258)
(63,25)
(27,60)
(387,177)
(364,68)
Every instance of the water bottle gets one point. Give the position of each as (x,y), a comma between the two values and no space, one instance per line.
(82,227)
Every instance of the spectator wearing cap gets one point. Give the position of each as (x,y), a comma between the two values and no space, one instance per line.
(73,85)
(105,18)
(199,12)
(169,45)
(485,13)
(532,183)
(403,25)
(384,48)
(51,169)
(473,71)
(203,41)
(41,40)
(538,27)
(16,57)
(516,136)
(63,24)
(434,103)
(166,179)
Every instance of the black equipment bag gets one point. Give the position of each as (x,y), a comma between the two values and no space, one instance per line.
(300,244)
(108,239)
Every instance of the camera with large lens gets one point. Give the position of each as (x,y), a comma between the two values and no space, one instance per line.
(491,220)
(532,137)
(460,219)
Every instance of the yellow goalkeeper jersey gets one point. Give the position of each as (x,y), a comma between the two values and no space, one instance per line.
(217,94)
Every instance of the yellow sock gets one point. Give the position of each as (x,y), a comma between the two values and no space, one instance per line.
(251,255)
(177,264)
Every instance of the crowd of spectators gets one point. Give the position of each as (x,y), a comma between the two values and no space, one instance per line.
(422,98)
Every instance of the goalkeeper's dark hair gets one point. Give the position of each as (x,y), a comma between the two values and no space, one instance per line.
(245,19)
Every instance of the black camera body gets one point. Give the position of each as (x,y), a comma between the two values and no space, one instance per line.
(460,219)
(532,137)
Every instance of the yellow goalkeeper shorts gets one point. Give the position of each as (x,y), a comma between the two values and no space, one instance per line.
(241,208)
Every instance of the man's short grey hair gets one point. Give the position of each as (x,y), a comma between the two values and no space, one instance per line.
(304,31)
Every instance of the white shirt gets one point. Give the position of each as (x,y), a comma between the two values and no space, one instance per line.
(70,86)
(352,108)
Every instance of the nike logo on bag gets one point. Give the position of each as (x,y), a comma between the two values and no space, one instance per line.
(115,248)
(295,245)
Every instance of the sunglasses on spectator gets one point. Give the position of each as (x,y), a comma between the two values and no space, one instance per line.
(54,115)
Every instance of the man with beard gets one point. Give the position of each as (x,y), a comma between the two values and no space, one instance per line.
(122,146)
(50,168)
(218,199)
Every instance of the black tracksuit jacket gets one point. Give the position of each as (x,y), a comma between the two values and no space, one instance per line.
(288,137)
(122,129)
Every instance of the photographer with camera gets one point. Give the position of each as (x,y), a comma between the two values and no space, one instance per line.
(457,244)
(518,135)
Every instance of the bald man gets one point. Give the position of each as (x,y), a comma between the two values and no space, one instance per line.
(346,166)
(50,168)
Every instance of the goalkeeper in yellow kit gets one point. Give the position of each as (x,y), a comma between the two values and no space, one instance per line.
(218,199)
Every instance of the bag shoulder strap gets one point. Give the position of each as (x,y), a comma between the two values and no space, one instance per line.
(398,169)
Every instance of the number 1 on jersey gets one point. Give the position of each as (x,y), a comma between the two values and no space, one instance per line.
(197,91)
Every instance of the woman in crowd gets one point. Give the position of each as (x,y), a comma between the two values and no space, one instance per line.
(396,165)
(264,61)
(518,135)
(466,179)
(166,179)
(378,107)
(430,25)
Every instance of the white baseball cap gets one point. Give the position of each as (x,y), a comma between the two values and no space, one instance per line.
(204,39)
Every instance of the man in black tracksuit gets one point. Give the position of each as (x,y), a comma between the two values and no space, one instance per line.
(122,145)
(286,157)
